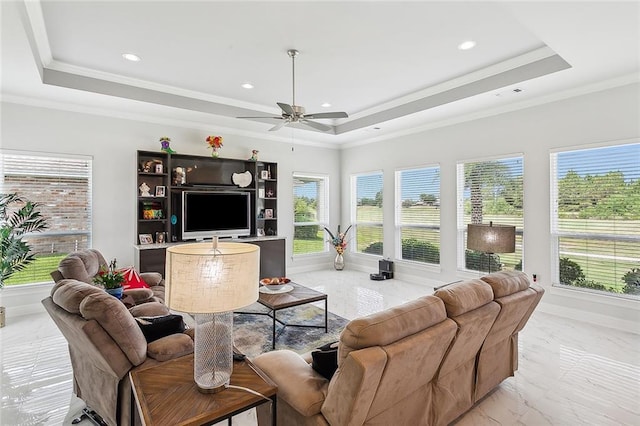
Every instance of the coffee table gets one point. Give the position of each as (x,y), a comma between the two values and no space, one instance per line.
(300,295)
(166,394)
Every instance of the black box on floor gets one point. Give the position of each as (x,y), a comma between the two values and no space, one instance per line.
(385,268)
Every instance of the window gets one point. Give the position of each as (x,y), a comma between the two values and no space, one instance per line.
(311,213)
(62,186)
(418,214)
(366,212)
(595,218)
(490,191)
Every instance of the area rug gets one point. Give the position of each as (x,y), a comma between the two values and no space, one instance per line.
(252,332)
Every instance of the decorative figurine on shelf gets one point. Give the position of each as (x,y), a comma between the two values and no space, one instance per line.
(144,190)
(215,143)
(254,155)
(164,145)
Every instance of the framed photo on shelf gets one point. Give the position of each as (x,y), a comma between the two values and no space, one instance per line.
(161,237)
(160,191)
(268,213)
(158,168)
(260,232)
(145,239)
(260,192)
(264,174)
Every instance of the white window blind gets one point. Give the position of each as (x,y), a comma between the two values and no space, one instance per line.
(366,212)
(311,213)
(418,214)
(62,187)
(595,218)
(490,191)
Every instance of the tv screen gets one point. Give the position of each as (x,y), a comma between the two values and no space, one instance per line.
(224,214)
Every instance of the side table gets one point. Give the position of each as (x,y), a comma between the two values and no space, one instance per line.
(166,394)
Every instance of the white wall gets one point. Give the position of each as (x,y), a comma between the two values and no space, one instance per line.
(113,142)
(610,115)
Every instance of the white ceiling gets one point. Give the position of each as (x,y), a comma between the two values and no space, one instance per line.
(390,65)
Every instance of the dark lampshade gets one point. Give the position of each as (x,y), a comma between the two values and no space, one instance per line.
(490,238)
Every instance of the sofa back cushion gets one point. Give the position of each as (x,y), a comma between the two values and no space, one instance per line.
(388,326)
(118,322)
(505,283)
(465,296)
(82,265)
(68,294)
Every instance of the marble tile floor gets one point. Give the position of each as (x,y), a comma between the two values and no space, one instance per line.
(570,373)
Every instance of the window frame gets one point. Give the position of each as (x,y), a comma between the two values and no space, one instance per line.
(555,234)
(353,246)
(29,169)
(461,226)
(321,222)
(398,227)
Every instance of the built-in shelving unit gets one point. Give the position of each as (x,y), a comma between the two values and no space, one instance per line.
(162,178)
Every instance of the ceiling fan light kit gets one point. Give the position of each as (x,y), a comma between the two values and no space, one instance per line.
(297,114)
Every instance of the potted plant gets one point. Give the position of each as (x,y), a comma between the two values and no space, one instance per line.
(111,280)
(18,217)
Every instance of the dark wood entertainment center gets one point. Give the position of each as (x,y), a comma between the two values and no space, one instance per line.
(163,177)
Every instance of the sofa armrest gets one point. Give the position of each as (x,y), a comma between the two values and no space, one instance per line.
(152,278)
(170,347)
(298,384)
(353,387)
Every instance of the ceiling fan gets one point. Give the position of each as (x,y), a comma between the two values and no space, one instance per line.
(295,113)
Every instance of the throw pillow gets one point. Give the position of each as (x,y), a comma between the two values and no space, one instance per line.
(155,328)
(325,359)
(133,279)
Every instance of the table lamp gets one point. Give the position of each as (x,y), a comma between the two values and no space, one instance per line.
(491,238)
(211,280)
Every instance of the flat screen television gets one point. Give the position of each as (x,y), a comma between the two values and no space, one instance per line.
(215,213)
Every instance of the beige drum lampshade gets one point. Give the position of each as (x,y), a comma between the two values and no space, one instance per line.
(203,279)
(490,238)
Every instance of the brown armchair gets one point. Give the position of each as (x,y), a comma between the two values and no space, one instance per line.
(83,265)
(105,343)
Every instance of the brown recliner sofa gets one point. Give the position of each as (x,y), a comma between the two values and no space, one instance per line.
(426,362)
(83,265)
(106,343)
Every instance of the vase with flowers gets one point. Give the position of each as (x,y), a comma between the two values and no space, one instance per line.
(215,143)
(110,279)
(339,242)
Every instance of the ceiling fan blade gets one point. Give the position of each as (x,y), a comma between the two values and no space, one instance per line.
(275,118)
(278,126)
(286,108)
(321,115)
(317,126)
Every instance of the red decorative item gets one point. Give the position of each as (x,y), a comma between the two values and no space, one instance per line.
(133,279)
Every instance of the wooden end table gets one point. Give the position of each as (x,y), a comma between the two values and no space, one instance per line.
(166,394)
(300,295)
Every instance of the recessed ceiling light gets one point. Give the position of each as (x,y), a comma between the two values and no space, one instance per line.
(131,57)
(247,85)
(466,45)
(325,105)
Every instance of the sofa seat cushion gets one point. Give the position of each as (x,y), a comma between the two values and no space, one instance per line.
(385,327)
(299,385)
(505,283)
(170,347)
(466,296)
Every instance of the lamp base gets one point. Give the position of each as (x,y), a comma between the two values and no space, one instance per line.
(213,352)
(212,390)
